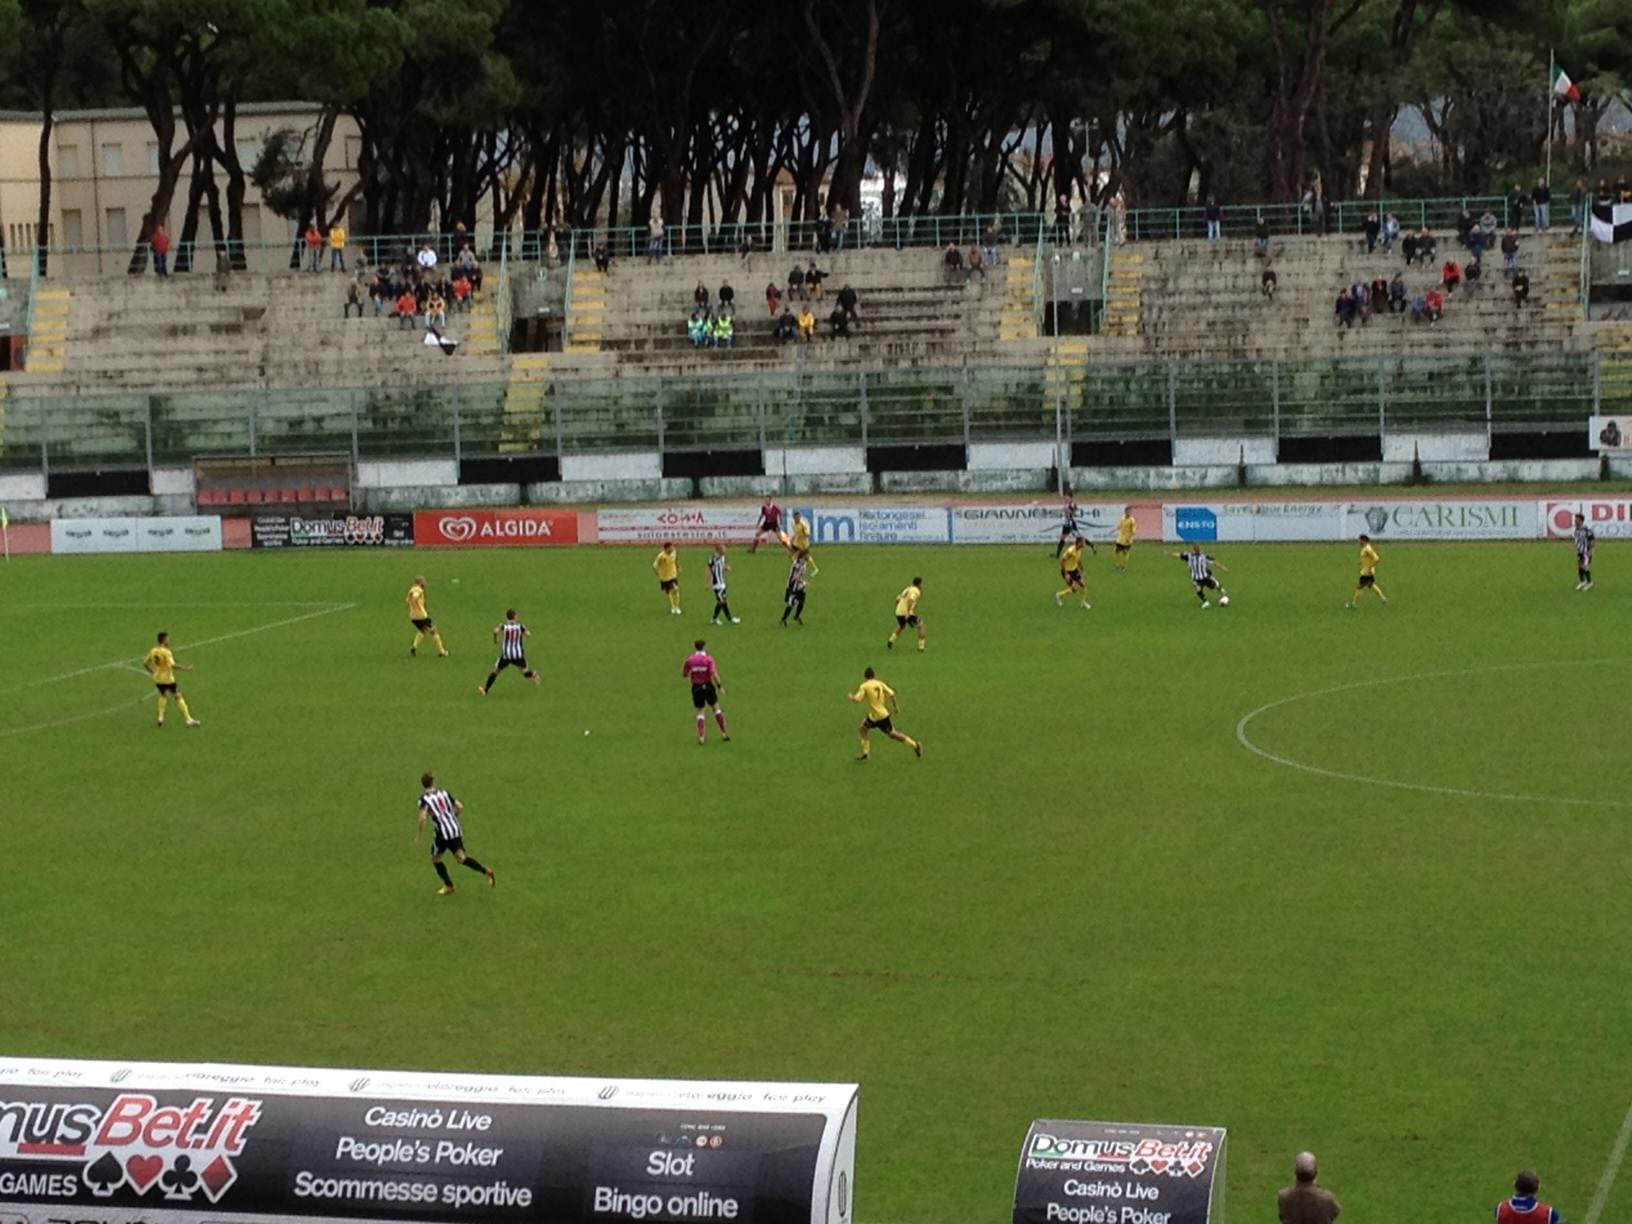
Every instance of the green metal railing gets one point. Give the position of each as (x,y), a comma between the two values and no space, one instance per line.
(1108,246)
(1038,310)
(1492,392)
(1347,216)
(503,304)
(566,298)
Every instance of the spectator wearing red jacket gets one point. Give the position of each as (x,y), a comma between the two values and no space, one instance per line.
(160,242)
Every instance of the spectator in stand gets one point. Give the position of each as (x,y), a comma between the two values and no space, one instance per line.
(807,324)
(814,276)
(461,293)
(846,302)
(773,298)
(1260,242)
(407,308)
(786,327)
(1578,207)
(1391,233)
(725,331)
(988,243)
(1436,305)
(1419,308)
(839,323)
(354,297)
(1510,251)
(1361,293)
(1305,1202)
(1601,195)
(1623,190)
(436,312)
(1518,203)
(1345,308)
(1450,276)
(1525,1207)
(1427,248)
(697,327)
(1473,275)
(953,258)
(1489,225)
(314,248)
(603,258)
(1268,282)
(1214,216)
(160,242)
(1062,222)
(461,239)
(1408,247)
(840,216)
(796,285)
(727,299)
(972,263)
(467,263)
(745,250)
(337,247)
(1541,204)
(1465,225)
(699,296)
(1372,229)
(824,234)
(1396,294)
(654,238)
(1521,288)
(425,259)
(1378,297)
(1477,243)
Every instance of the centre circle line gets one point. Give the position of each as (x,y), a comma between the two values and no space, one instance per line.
(1421,787)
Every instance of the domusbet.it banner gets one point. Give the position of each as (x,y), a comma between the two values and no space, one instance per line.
(1120,1173)
(873,524)
(180,1144)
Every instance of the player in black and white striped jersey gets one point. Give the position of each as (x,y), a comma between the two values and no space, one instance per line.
(793,599)
(1585,540)
(718,568)
(438,806)
(509,637)
(1201,574)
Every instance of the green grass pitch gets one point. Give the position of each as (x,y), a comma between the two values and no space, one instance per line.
(1087,900)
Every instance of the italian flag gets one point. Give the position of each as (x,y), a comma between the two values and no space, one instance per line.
(1563,87)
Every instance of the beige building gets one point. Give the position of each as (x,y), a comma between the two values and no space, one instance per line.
(104,170)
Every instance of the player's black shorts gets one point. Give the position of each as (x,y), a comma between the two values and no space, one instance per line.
(167,690)
(1074,577)
(448,846)
(770,524)
(1368,580)
(903,621)
(519,663)
(1120,549)
(1208,583)
(669,584)
(880,724)
(1069,527)
(423,623)
(704,695)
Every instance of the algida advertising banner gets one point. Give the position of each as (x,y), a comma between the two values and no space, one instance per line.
(208,1144)
(1118,1173)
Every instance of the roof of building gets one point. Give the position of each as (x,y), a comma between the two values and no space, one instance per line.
(136,112)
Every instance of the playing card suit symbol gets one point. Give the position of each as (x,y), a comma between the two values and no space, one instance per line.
(143,1170)
(217,1176)
(1160,1163)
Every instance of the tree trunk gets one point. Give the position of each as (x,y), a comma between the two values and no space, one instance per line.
(1298,81)
(42,226)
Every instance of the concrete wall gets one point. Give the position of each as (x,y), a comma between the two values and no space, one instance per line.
(1470,445)
(410,473)
(814,460)
(621,465)
(173,482)
(1216,451)
(1000,456)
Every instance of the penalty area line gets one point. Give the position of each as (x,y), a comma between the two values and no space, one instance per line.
(1606,1183)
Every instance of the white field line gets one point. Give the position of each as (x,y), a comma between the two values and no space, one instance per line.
(130,663)
(75,718)
(96,607)
(1422,787)
(1606,1183)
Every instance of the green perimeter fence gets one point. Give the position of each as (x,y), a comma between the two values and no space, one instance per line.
(1110,402)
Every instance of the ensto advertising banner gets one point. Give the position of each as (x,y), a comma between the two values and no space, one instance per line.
(172,1142)
(1120,1173)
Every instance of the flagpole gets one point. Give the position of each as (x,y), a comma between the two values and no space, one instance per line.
(5,532)
(1548,129)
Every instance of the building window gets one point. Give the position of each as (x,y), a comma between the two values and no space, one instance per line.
(153,157)
(68,161)
(117,234)
(73,227)
(113,160)
(249,152)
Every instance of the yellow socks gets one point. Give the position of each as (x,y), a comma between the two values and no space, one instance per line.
(162,700)
(418,638)
(437,638)
(181,704)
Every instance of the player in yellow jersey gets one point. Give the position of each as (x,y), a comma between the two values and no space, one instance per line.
(1368,574)
(1126,529)
(667,568)
(906,613)
(423,624)
(1071,571)
(161,664)
(880,699)
(800,542)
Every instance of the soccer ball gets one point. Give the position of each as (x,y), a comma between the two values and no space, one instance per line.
(1223,601)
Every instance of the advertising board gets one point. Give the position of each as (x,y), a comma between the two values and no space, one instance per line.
(523,528)
(1443,520)
(1120,1173)
(684,525)
(1248,521)
(875,524)
(1609,517)
(332,531)
(1029,522)
(1610,434)
(191,533)
(167,1143)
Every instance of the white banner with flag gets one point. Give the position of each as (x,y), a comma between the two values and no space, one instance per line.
(1612,222)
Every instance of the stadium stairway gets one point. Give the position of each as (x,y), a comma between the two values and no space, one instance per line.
(48,341)
(5,392)
(1191,299)
(1615,367)
(1018,320)
(588,296)
(522,427)
(1065,371)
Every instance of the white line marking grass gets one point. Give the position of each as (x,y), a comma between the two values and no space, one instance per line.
(1606,1183)
(1421,787)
